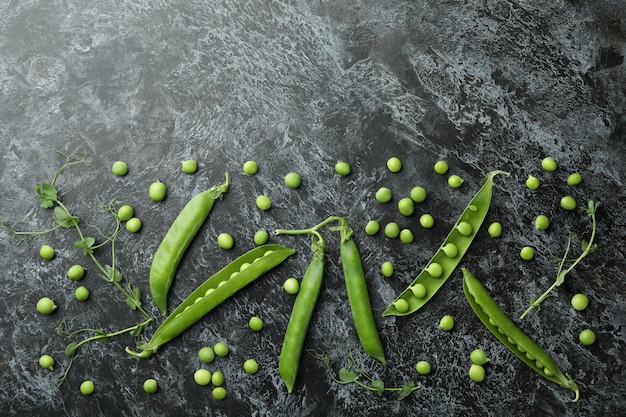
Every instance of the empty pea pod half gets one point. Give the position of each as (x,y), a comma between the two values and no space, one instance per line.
(214,291)
(512,336)
(449,254)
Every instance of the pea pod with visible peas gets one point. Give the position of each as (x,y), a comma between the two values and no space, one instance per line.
(301,314)
(177,240)
(215,290)
(512,336)
(449,254)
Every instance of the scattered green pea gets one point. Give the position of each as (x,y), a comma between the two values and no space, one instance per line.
(342,168)
(251,366)
(119,168)
(372,227)
(549,164)
(46,306)
(446,323)
(225,241)
(133,225)
(387,269)
(532,183)
(479,357)
(574,179)
(406,236)
(542,222)
(527,253)
(150,386)
(427,220)
(383,195)
(263,202)
(87,387)
(423,367)
(250,167)
(261,237)
(157,191)
(219,393)
(125,213)
(406,206)
(293,180)
(46,252)
(418,194)
(47,362)
(217,378)
(580,302)
(568,202)
(455,181)
(291,286)
(206,354)
(392,230)
(394,164)
(81,293)
(202,377)
(441,167)
(189,166)
(587,337)
(477,373)
(256,323)
(76,272)
(495,229)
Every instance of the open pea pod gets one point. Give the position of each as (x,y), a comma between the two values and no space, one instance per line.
(214,291)
(448,256)
(512,336)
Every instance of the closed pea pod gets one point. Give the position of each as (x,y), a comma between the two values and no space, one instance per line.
(224,284)
(512,336)
(301,314)
(177,240)
(449,254)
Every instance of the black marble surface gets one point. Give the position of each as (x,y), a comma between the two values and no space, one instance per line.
(297,86)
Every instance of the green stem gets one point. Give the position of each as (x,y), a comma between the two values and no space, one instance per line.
(310,229)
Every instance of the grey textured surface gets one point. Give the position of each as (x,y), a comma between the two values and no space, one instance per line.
(297,86)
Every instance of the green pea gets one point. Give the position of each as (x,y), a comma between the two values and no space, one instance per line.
(568,203)
(87,387)
(477,373)
(119,168)
(251,366)
(387,269)
(250,167)
(291,286)
(434,269)
(219,393)
(125,213)
(76,272)
(47,362)
(479,357)
(383,195)
(392,230)
(542,222)
(455,181)
(372,227)
(394,164)
(206,354)
(465,228)
(495,229)
(256,324)
(532,183)
(418,194)
(46,306)
(261,237)
(406,236)
(150,386)
(423,367)
(574,179)
(189,166)
(441,167)
(157,191)
(450,249)
(46,252)
(527,253)
(293,180)
(202,377)
(342,168)
(81,293)
(401,305)
(427,220)
(587,337)
(225,241)
(419,290)
(133,225)
(549,164)
(217,378)
(263,202)
(406,206)
(580,302)
(446,323)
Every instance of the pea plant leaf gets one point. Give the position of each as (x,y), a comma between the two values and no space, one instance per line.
(71,349)
(347,375)
(133,299)
(63,218)
(138,329)
(378,386)
(86,245)
(407,389)
(48,194)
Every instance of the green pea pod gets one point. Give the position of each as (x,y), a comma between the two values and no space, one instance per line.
(448,256)
(177,240)
(358,295)
(512,336)
(215,290)
(301,314)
